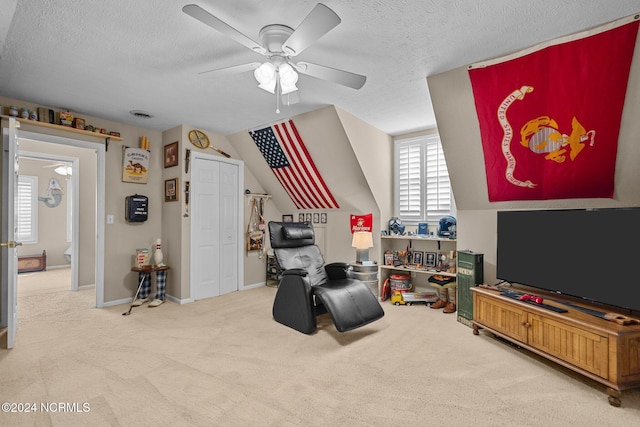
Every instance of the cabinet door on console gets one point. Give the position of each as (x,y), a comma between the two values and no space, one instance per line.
(581,348)
(501,317)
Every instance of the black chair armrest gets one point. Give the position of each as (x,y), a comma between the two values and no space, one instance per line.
(337,270)
(295,272)
(293,304)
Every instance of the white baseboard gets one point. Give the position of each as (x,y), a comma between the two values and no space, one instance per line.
(117,302)
(253,286)
(179,301)
(174,299)
(56,267)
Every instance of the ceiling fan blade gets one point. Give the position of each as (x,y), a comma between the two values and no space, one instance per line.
(236,69)
(317,23)
(206,18)
(345,78)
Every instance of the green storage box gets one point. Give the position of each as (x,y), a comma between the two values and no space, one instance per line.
(470,273)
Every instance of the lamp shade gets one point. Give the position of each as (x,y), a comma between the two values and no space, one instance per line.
(288,78)
(362,240)
(266,76)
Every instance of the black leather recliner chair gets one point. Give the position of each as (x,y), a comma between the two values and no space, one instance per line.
(309,288)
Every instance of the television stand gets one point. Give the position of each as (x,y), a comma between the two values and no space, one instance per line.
(602,350)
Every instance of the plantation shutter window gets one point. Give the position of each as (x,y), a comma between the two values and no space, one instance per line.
(422,186)
(27,221)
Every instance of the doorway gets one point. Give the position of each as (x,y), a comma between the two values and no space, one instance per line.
(83,252)
(48,217)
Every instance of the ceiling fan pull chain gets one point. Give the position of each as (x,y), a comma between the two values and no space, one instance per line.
(278,95)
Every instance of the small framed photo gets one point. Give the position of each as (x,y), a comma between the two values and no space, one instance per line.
(308,218)
(323,218)
(316,218)
(287,218)
(78,123)
(300,217)
(430,259)
(171,155)
(417,257)
(171,190)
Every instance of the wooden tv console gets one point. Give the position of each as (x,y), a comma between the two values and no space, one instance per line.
(602,350)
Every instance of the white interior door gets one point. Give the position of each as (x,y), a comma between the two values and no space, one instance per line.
(9,309)
(205,229)
(216,226)
(229,244)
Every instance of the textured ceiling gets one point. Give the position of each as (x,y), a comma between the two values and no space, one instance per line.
(106,58)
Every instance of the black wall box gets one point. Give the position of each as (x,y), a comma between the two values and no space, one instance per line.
(136,209)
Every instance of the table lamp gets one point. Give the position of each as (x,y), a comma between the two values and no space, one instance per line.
(362,241)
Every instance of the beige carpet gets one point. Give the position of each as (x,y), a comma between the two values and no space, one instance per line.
(39,282)
(225,362)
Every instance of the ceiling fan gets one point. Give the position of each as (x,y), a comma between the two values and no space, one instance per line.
(64,169)
(280,43)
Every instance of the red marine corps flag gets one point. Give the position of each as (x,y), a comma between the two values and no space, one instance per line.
(550,117)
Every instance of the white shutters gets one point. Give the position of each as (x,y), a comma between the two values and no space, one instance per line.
(423,189)
(409,155)
(27,218)
(438,186)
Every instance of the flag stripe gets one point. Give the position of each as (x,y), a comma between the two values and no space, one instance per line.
(284,181)
(302,172)
(312,165)
(286,154)
(297,174)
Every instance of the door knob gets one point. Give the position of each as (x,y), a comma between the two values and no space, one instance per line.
(11,244)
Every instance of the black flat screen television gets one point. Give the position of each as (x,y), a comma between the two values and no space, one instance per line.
(584,253)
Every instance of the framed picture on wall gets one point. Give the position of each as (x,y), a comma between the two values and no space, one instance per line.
(316,218)
(323,218)
(171,190)
(287,218)
(171,155)
(300,217)
(308,217)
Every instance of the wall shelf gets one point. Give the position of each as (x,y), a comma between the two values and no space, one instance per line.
(106,137)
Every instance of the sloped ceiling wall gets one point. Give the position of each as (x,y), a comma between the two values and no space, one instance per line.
(327,143)
(348,154)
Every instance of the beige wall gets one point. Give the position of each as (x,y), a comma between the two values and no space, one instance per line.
(459,130)
(121,238)
(354,158)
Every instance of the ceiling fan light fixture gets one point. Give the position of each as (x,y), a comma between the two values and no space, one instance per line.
(265,73)
(288,89)
(269,87)
(288,78)
(64,170)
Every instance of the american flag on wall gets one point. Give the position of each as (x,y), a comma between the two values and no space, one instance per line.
(288,158)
